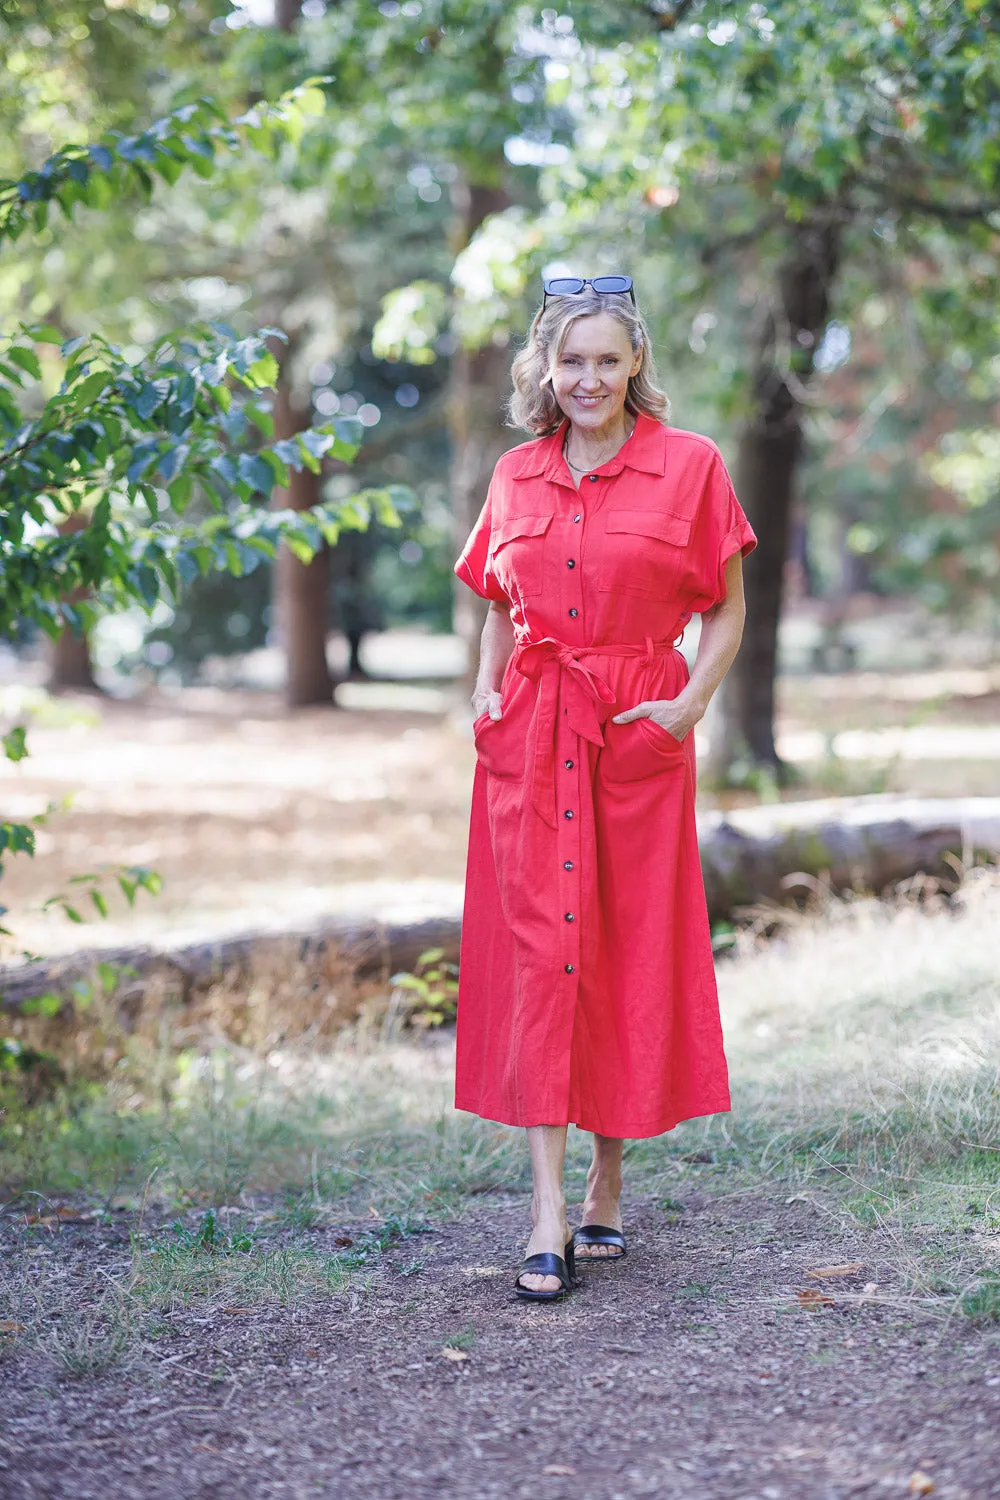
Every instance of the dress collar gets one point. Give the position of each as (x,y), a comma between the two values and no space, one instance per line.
(644,451)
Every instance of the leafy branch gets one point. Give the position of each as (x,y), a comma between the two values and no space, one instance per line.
(190,137)
(130,446)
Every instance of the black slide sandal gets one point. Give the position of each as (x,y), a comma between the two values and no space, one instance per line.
(600,1234)
(548,1264)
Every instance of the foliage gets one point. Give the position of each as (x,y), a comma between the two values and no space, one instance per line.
(134,440)
(191,136)
(428,994)
(103,453)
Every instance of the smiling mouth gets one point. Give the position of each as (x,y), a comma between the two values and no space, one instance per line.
(589,400)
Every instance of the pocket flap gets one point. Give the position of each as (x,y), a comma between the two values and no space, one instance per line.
(515,526)
(655,523)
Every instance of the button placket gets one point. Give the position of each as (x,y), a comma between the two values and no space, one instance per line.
(568,846)
(570,786)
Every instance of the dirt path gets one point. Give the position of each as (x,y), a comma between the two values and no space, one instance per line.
(692,1370)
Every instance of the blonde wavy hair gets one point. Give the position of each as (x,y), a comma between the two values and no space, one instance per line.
(533,404)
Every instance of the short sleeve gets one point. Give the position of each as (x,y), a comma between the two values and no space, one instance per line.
(473,567)
(722,531)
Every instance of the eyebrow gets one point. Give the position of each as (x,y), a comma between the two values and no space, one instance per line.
(608,354)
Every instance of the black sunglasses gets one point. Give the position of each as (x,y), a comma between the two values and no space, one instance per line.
(568,286)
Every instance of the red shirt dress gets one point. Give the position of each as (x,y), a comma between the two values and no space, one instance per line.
(587,989)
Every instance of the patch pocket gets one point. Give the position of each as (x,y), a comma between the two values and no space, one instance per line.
(644,552)
(500,746)
(517,550)
(637,751)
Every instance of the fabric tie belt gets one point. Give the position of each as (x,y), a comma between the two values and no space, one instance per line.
(561,672)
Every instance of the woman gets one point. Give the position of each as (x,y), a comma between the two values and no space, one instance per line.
(587,989)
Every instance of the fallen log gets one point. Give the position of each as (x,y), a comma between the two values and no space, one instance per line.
(748,856)
(371,948)
(869,843)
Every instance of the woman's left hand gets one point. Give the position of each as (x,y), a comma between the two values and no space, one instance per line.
(677,716)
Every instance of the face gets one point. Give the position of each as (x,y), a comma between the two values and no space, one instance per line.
(591,373)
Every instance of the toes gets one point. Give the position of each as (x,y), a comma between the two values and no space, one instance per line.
(539,1283)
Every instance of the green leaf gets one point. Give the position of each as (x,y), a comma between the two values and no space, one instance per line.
(263,373)
(13,742)
(108,975)
(49,1004)
(180,492)
(26,359)
(19,838)
(149,880)
(88,390)
(253,470)
(149,398)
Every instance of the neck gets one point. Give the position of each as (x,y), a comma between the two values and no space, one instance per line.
(587,443)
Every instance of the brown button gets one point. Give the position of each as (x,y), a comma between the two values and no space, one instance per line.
(573,613)
(568,764)
(570,969)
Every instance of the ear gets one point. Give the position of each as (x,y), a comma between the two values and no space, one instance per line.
(636,365)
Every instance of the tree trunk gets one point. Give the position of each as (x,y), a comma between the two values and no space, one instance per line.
(478,389)
(69,654)
(69,662)
(286,14)
(770,448)
(301,590)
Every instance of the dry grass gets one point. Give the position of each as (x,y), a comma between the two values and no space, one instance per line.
(863,1041)
(864,1044)
(141,1026)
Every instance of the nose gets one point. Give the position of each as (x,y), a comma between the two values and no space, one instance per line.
(590,380)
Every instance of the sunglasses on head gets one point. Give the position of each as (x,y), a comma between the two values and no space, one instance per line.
(568,286)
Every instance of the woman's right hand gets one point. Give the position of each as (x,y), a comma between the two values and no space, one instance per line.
(486,702)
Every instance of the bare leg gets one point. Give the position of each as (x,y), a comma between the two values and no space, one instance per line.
(604,1189)
(547,1144)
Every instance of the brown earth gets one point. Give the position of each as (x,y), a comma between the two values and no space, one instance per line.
(708,1366)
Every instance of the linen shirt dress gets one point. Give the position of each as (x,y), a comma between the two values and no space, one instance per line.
(587,989)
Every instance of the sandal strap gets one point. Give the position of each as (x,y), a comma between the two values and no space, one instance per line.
(599,1234)
(545,1264)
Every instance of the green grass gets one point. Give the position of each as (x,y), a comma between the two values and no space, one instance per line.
(863,1044)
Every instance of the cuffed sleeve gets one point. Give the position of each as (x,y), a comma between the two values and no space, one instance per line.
(723,530)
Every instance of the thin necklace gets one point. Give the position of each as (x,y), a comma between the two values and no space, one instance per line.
(589,467)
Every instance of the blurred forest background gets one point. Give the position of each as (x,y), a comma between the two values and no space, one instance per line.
(807,200)
(263,268)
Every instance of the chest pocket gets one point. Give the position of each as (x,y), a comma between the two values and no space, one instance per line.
(644,552)
(517,547)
